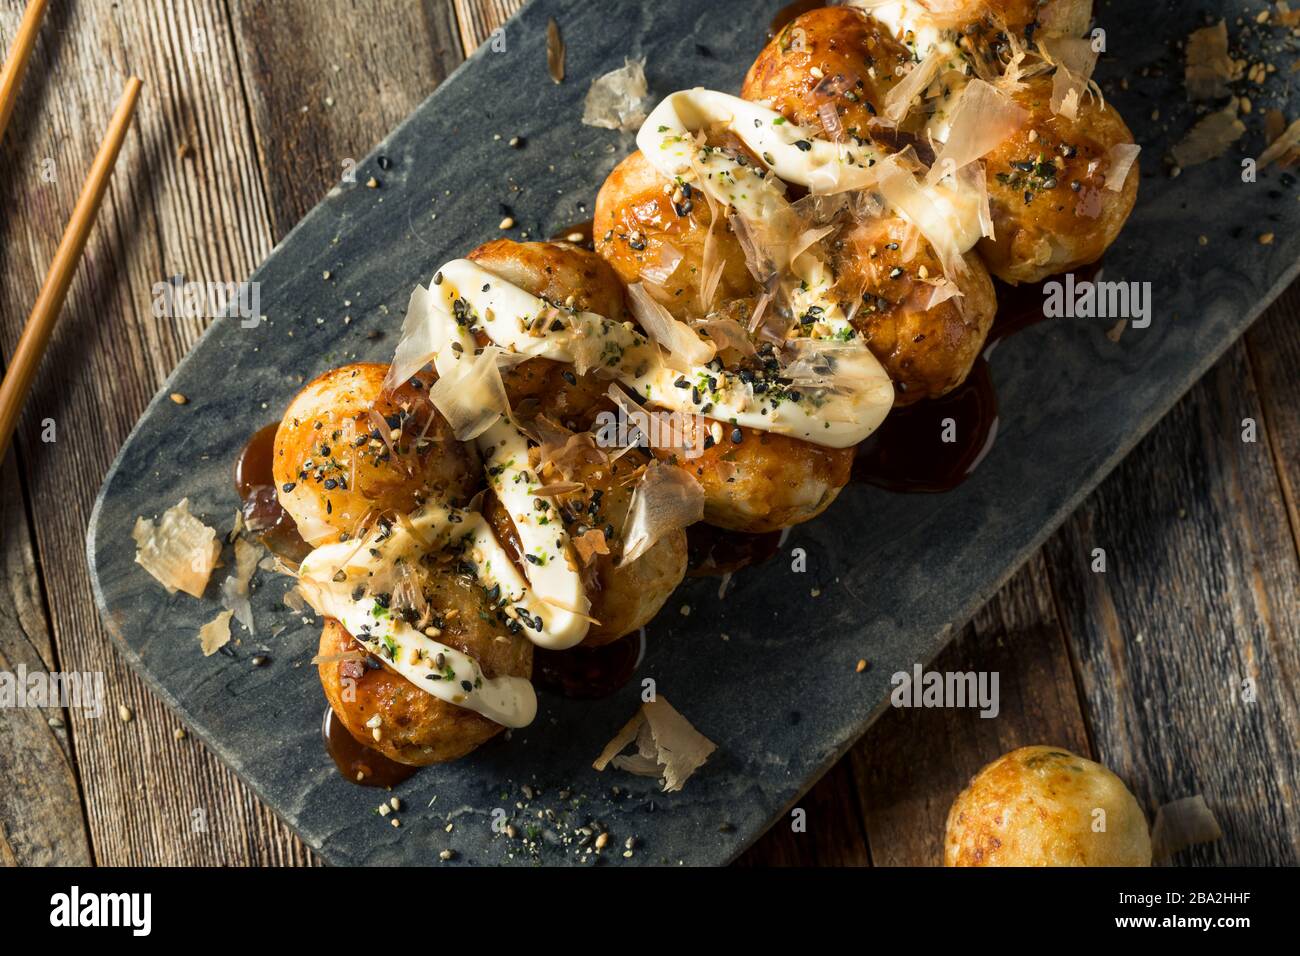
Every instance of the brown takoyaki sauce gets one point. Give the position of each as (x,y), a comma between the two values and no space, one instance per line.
(714,551)
(907,453)
(357,762)
(789,13)
(588,673)
(1020,307)
(261,508)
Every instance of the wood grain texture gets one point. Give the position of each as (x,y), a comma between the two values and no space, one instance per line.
(325,81)
(900,779)
(478,18)
(149,798)
(1200,595)
(41,820)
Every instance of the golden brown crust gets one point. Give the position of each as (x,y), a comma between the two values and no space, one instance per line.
(927,352)
(624,598)
(415,727)
(1041,230)
(559,272)
(764,482)
(638,226)
(345,482)
(1044,806)
(833,55)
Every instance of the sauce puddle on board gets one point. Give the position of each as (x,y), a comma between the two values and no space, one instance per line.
(356,762)
(713,552)
(255,484)
(908,452)
(589,673)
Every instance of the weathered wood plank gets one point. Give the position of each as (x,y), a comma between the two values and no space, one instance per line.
(913,762)
(1201,594)
(322,98)
(41,822)
(903,775)
(149,798)
(478,18)
(833,836)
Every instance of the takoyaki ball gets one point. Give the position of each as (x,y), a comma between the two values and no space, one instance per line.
(415,727)
(334,464)
(623,598)
(559,272)
(1043,806)
(1052,211)
(644,224)
(833,55)
(757,481)
(927,351)
(567,276)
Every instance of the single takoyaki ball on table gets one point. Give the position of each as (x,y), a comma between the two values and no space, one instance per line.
(892,275)
(757,481)
(833,57)
(415,727)
(1043,806)
(624,597)
(1052,210)
(345,450)
(655,231)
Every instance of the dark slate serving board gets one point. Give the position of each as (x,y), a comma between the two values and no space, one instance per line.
(896,574)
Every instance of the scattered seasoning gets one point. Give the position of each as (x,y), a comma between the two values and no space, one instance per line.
(507,223)
(179,733)
(451,854)
(861,666)
(179,399)
(372,183)
(1266,239)
(261,660)
(124,712)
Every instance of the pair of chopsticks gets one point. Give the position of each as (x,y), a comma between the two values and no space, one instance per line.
(40,324)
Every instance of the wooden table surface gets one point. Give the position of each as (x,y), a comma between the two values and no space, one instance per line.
(250,110)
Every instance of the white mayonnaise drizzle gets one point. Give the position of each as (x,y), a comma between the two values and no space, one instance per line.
(910,22)
(521,322)
(667,140)
(329,576)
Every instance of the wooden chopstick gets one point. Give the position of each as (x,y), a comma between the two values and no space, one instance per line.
(16,63)
(36,334)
